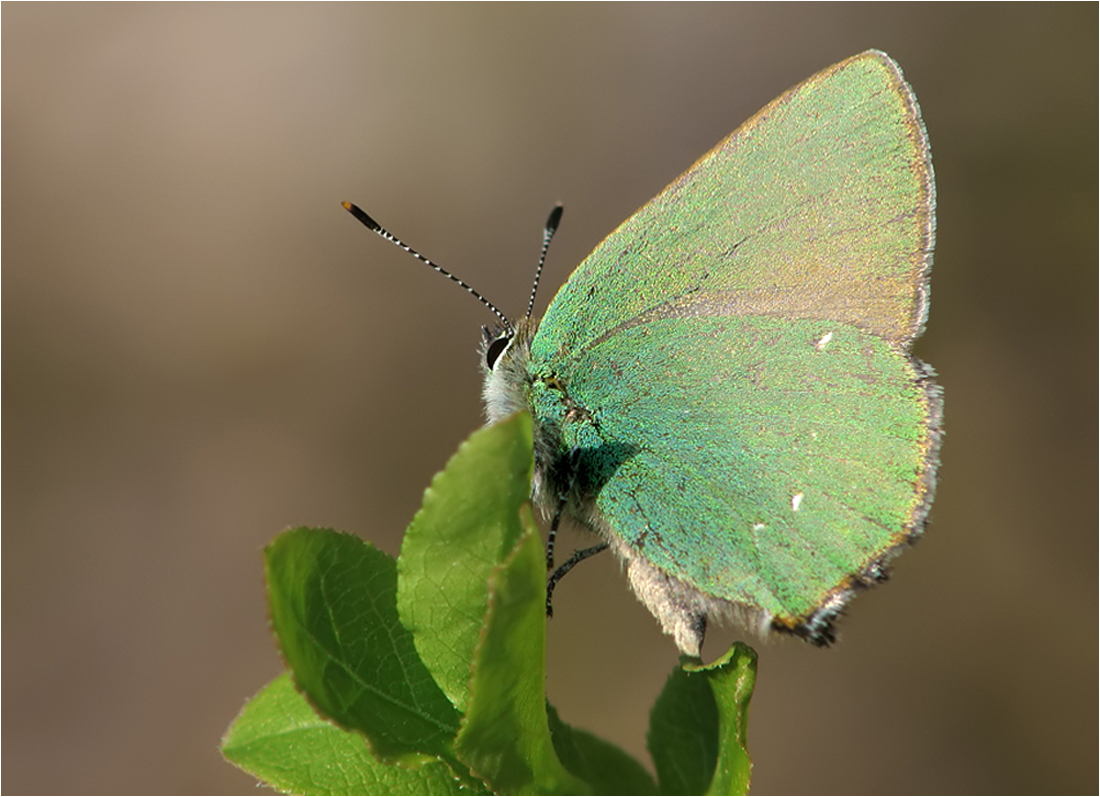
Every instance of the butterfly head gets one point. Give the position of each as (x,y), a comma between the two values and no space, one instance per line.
(505,353)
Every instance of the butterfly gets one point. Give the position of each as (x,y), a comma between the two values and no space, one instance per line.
(723,391)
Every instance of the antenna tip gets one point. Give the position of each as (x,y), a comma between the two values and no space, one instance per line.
(555,218)
(363,217)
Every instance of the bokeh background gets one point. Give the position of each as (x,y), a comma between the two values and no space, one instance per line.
(201,348)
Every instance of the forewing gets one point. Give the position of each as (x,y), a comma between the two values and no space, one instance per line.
(821,206)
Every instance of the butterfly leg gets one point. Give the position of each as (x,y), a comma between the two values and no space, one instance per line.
(569,564)
(552,536)
(565,476)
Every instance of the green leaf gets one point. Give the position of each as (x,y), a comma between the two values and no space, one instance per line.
(472,584)
(697,726)
(732,679)
(279,738)
(468,524)
(683,734)
(333,607)
(607,768)
(505,736)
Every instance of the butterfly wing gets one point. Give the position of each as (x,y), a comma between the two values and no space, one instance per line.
(775,471)
(753,425)
(819,206)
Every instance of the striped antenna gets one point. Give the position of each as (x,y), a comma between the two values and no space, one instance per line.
(374,226)
(547,234)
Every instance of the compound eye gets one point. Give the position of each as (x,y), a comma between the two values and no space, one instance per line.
(496,348)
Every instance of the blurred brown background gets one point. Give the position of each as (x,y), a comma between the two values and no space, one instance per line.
(201,348)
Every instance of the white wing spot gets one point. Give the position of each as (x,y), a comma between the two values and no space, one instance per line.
(823,341)
(796,502)
(758,527)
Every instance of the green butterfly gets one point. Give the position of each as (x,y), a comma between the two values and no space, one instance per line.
(723,390)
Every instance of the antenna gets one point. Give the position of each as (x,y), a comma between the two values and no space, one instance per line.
(374,226)
(547,235)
